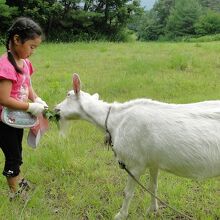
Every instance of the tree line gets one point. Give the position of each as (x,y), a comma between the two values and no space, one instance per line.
(173,19)
(115,20)
(70,20)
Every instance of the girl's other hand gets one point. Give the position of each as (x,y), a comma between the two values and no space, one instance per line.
(35,108)
(40,101)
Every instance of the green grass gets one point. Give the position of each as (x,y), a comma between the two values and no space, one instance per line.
(77,177)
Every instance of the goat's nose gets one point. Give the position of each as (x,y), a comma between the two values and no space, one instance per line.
(57,109)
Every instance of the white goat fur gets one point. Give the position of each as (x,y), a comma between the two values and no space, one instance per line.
(183,139)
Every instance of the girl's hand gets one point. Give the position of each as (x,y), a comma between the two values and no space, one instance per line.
(40,101)
(35,108)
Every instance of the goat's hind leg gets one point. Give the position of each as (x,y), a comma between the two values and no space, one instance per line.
(128,194)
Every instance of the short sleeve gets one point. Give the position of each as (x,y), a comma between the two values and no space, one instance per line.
(7,71)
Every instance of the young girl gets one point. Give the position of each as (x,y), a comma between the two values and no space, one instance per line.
(23,37)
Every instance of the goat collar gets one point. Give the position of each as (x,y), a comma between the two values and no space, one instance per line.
(108,137)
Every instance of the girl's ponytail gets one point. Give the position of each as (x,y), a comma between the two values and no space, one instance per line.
(10,55)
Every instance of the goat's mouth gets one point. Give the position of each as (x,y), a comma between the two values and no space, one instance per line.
(52,115)
(56,114)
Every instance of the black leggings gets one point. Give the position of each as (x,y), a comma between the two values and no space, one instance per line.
(11,145)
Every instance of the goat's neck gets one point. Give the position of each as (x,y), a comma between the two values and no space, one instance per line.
(95,112)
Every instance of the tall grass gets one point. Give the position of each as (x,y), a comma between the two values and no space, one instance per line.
(77,177)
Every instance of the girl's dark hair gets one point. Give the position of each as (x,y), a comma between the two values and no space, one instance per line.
(26,29)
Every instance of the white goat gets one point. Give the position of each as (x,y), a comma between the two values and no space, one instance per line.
(183,139)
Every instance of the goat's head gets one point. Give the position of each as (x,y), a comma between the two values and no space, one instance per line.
(71,107)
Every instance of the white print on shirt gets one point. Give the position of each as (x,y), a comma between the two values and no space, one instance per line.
(24,91)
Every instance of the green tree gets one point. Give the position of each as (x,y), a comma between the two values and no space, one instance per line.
(70,20)
(209,23)
(148,28)
(162,10)
(6,16)
(170,19)
(211,4)
(45,12)
(150,25)
(183,17)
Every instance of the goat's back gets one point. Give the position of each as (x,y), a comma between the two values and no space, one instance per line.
(182,139)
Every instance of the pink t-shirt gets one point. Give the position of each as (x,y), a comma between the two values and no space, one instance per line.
(20,82)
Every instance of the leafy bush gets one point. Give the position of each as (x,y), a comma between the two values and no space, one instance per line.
(2,41)
(207,38)
(208,23)
(71,36)
(124,35)
(7,14)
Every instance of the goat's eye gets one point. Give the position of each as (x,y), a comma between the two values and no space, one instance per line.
(68,94)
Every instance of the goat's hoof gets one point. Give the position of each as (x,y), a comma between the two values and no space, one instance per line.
(120,216)
(152,210)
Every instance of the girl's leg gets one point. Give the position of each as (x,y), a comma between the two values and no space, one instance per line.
(11,145)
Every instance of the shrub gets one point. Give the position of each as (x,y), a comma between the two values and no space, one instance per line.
(208,23)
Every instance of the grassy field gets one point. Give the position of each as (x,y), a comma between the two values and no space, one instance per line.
(77,178)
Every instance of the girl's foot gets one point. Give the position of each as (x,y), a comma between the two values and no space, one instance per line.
(24,187)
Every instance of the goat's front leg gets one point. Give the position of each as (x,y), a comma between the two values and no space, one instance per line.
(128,195)
(153,188)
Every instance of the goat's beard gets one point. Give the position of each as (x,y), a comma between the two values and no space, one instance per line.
(63,127)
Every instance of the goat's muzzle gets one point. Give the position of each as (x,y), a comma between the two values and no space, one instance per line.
(57,113)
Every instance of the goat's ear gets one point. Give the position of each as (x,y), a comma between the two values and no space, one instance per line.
(76,83)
